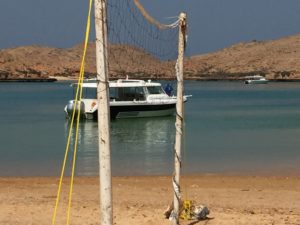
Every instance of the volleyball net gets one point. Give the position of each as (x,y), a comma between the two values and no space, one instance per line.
(138,45)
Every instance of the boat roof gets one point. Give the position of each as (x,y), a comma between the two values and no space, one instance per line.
(254,76)
(123,83)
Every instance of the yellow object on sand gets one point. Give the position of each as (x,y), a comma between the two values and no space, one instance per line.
(187,210)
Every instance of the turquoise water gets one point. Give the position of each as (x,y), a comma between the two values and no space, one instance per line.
(230,128)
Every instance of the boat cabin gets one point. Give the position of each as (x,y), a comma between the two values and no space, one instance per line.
(125,90)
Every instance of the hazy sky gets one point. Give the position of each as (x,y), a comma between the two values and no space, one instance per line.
(213,24)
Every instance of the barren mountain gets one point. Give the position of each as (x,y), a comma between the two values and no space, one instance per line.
(44,62)
(277,59)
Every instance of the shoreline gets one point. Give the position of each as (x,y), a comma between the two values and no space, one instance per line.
(232,200)
(29,80)
(62,79)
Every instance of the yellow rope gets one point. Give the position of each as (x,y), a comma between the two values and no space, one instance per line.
(78,97)
(78,115)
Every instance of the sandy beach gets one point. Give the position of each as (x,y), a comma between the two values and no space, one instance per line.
(142,200)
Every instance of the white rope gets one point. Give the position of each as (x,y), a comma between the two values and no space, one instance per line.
(176,188)
(174,25)
(152,20)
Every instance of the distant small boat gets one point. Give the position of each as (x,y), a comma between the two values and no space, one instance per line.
(256,79)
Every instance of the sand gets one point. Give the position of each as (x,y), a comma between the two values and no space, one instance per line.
(142,200)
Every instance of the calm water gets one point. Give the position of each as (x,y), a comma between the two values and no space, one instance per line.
(230,128)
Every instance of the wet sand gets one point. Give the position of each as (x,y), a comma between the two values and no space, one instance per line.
(142,200)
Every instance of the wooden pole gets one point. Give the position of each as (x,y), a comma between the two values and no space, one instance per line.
(179,118)
(103,114)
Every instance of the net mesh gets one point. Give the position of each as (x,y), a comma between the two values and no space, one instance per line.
(139,46)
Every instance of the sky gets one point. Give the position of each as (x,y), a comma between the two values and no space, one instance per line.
(213,24)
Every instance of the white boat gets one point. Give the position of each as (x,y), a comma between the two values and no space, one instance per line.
(256,79)
(128,98)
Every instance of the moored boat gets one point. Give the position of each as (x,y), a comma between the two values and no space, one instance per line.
(256,79)
(128,98)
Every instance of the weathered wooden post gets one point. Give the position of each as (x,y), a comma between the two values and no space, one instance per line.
(103,114)
(179,117)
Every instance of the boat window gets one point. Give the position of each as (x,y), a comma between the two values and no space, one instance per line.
(155,90)
(89,93)
(128,94)
(113,94)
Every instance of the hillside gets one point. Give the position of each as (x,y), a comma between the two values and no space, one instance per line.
(44,62)
(277,59)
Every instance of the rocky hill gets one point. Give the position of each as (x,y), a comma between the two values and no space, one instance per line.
(276,59)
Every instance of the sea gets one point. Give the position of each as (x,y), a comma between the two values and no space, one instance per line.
(230,129)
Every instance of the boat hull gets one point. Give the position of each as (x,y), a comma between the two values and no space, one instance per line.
(256,82)
(137,111)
